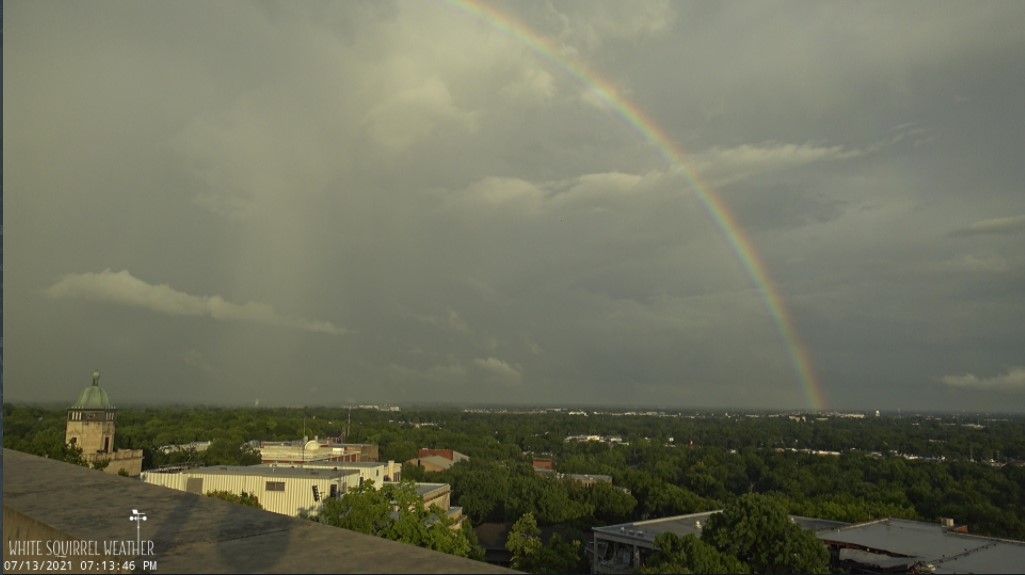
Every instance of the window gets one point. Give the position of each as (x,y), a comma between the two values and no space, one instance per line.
(275,486)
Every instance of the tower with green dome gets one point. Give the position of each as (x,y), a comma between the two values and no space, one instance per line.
(92,421)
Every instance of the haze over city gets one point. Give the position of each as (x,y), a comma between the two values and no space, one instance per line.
(783,205)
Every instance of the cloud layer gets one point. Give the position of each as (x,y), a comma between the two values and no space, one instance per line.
(1011,381)
(483,228)
(997,226)
(125,289)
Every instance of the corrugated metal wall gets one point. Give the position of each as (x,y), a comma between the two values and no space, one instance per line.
(295,499)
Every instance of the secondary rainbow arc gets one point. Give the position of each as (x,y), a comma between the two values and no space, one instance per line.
(720,214)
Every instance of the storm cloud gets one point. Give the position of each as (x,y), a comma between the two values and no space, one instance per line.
(406,201)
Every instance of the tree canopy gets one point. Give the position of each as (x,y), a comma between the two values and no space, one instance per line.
(397,512)
(757,530)
(244,498)
(688,554)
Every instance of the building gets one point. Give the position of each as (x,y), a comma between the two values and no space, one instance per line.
(440,495)
(625,547)
(196,446)
(313,450)
(585,479)
(92,423)
(904,546)
(881,546)
(543,463)
(437,459)
(376,472)
(285,490)
(288,489)
(367,451)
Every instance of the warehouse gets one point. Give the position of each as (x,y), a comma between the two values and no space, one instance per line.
(288,491)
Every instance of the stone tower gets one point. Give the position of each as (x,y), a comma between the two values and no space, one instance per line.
(92,421)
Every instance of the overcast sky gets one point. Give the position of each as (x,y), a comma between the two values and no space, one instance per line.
(390,202)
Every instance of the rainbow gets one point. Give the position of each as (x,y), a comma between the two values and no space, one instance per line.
(717,209)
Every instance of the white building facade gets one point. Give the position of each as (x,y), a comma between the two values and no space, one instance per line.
(282,490)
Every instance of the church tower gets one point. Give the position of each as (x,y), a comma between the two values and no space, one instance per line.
(92,421)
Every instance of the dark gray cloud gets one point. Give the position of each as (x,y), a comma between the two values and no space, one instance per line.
(399,201)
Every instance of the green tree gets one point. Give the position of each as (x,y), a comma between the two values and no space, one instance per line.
(524,544)
(247,499)
(757,530)
(231,451)
(688,554)
(559,556)
(476,550)
(413,472)
(362,509)
(397,512)
(611,504)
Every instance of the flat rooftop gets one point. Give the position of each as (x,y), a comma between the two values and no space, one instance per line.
(50,500)
(931,543)
(425,489)
(320,464)
(268,471)
(682,525)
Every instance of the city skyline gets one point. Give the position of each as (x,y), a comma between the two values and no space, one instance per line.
(776,206)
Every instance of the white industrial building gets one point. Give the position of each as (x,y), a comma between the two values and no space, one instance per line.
(284,490)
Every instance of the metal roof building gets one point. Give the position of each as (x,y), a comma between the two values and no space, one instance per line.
(904,546)
(622,548)
(283,490)
(881,546)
